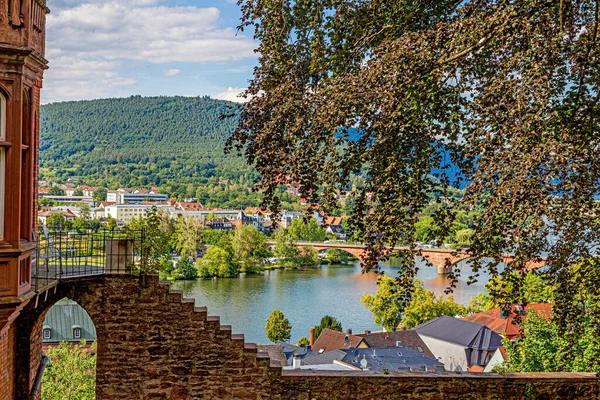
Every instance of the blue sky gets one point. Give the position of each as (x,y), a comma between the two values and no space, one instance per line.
(110,48)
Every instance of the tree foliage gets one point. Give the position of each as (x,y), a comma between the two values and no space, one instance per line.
(392,306)
(71,373)
(306,230)
(278,327)
(328,322)
(396,90)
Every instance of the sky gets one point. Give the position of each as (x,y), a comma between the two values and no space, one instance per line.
(119,48)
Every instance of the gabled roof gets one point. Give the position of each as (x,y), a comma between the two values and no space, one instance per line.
(324,358)
(392,359)
(477,339)
(494,319)
(63,316)
(334,221)
(330,340)
(391,339)
(190,206)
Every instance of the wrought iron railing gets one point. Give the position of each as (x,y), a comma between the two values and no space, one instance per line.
(62,254)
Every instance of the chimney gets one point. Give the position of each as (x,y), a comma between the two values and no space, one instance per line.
(348,331)
(312,337)
(368,333)
(296,361)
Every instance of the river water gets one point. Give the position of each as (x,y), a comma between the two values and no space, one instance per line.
(305,296)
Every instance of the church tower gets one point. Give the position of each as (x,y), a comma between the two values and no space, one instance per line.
(22,63)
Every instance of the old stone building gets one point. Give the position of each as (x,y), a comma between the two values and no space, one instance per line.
(153,343)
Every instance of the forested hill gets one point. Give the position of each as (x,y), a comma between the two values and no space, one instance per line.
(138,141)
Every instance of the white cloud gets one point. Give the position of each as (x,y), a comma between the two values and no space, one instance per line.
(109,33)
(73,78)
(232,94)
(171,72)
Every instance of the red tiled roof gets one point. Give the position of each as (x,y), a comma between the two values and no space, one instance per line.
(330,340)
(334,220)
(107,203)
(503,352)
(190,206)
(505,326)
(475,368)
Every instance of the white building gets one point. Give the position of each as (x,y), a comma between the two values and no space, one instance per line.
(459,344)
(122,197)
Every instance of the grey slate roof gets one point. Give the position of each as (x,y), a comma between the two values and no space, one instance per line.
(392,359)
(63,317)
(324,358)
(477,339)
(396,338)
(290,350)
(379,358)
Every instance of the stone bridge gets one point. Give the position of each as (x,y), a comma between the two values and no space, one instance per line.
(442,259)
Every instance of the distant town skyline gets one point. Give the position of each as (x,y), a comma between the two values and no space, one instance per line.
(106,48)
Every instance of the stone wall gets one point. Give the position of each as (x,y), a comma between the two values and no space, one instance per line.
(154,344)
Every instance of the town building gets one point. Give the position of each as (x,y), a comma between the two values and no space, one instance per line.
(460,345)
(128,196)
(68,199)
(67,321)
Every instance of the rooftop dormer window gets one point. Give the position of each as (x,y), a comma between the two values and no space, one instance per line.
(47,333)
(76,332)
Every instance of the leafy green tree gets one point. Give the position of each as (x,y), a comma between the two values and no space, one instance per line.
(45,202)
(278,328)
(388,303)
(71,373)
(424,306)
(303,341)
(481,302)
(185,269)
(188,236)
(392,307)
(56,191)
(464,237)
(99,195)
(78,192)
(286,250)
(249,247)
(306,230)
(216,262)
(85,211)
(111,223)
(80,225)
(149,241)
(56,220)
(328,322)
(425,229)
(337,256)
(345,90)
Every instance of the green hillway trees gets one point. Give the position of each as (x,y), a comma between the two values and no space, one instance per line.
(70,374)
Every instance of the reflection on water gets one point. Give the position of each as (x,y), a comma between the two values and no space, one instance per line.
(305,296)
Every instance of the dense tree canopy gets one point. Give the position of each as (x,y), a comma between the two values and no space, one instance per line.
(278,328)
(138,141)
(507,90)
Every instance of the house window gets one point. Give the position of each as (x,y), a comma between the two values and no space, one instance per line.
(47,333)
(3,145)
(76,333)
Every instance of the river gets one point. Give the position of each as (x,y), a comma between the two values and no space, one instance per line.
(305,296)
